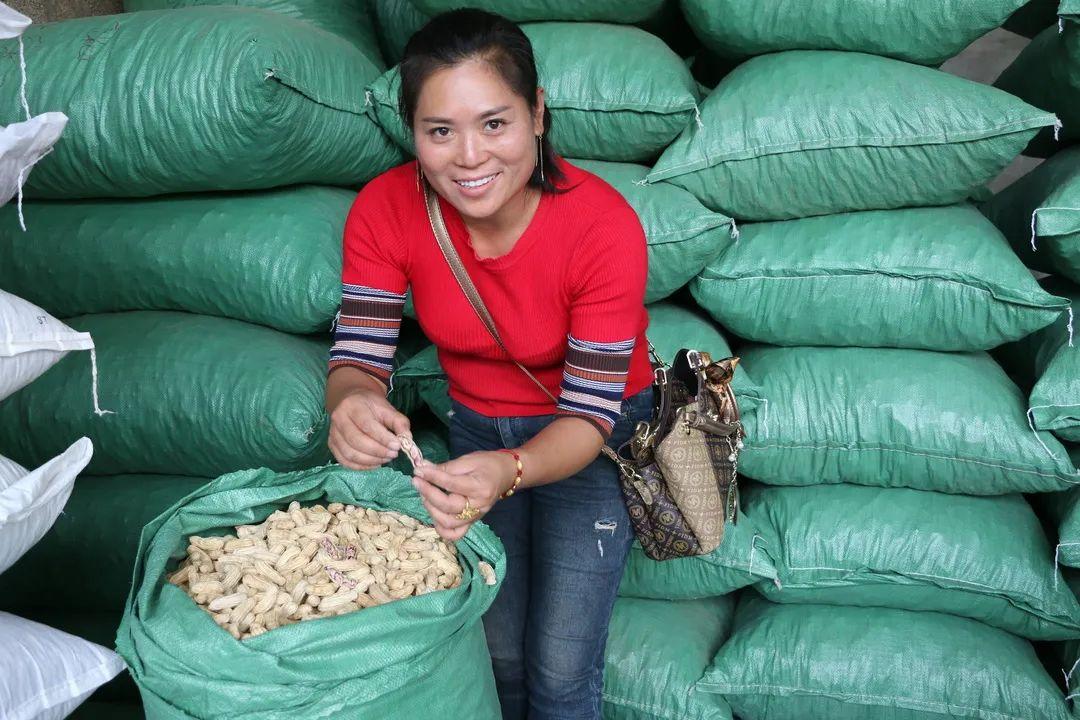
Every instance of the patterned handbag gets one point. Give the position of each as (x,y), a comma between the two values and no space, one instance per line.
(679,472)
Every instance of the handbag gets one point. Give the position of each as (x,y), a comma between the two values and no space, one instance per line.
(678,472)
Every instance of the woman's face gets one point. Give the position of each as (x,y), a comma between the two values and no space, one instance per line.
(476,138)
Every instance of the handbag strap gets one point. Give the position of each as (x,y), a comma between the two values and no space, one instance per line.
(438,226)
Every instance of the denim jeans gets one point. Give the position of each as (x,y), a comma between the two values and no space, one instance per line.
(566,546)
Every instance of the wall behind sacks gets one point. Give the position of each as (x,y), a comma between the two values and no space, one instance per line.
(43,11)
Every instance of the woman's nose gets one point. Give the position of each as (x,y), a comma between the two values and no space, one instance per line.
(471,151)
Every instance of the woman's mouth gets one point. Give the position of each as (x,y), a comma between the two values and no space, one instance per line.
(476,186)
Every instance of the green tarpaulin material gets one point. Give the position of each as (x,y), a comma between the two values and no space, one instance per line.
(950,422)
(933,278)
(351,19)
(188,394)
(403,659)
(986,558)
(622,95)
(656,652)
(819,662)
(905,29)
(1046,74)
(286,104)
(272,258)
(1040,215)
(804,133)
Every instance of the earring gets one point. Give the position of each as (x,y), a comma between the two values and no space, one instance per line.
(419,176)
(540,154)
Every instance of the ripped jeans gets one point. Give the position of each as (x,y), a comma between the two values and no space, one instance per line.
(566,546)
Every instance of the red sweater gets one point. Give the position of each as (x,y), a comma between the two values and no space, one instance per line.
(568,299)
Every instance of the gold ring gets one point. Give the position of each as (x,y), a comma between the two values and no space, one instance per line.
(468,512)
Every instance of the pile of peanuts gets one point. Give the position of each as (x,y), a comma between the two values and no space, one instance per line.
(315,562)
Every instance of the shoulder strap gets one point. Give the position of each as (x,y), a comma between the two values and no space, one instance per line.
(438,226)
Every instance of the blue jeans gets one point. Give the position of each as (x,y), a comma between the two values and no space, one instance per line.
(566,547)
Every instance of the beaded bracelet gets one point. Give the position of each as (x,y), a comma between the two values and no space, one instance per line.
(517,477)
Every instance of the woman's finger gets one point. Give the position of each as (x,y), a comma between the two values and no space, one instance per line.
(436,498)
(352,458)
(464,485)
(368,421)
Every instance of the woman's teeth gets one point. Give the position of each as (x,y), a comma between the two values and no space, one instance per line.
(475,183)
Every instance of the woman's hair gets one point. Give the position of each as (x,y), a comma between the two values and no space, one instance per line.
(456,36)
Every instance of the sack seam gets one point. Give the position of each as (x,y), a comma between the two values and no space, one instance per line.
(944,708)
(989,290)
(707,160)
(861,447)
(996,592)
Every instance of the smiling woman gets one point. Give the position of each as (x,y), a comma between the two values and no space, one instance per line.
(559,259)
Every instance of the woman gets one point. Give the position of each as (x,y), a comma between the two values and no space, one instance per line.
(559,259)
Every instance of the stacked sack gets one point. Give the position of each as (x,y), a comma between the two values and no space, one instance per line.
(889,466)
(190,220)
(1040,214)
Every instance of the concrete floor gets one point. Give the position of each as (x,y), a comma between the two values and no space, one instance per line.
(43,11)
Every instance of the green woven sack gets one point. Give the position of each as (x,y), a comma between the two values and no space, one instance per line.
(607,11)
(286,104)
(817,132)
(1067,654)
(683,235)
(819,662)
(907,29)
(680,640)
(402,659)
(1054,364)
(1061,514)
(671,328)
(396,21)
(1040,215)
(86,558)
(933,278)
(1046,74)
(188,394)
(950,422)
(272,258)
(622,94)
(350,19)
(985,558)
(742,559)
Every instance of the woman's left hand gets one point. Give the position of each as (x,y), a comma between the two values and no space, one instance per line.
(481,477)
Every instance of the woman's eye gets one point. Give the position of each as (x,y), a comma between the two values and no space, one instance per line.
(440,132)
(494,124)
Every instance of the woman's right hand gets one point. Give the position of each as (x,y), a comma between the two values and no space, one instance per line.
(364,430)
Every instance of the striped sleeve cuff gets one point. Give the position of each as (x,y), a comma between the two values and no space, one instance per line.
(366,331)
(594,379)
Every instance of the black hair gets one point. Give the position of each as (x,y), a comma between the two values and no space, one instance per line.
(453,37)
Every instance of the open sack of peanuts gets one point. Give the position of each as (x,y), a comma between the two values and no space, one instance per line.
(226,580)
(315,562)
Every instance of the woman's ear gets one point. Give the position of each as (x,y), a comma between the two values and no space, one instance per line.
(538,115)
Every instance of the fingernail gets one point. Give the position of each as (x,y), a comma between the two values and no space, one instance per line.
(395,445)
